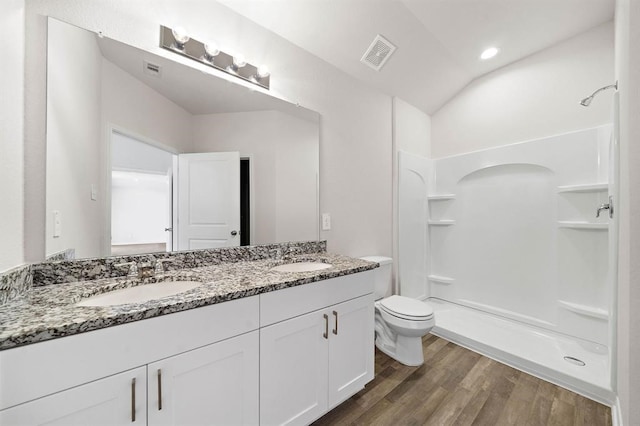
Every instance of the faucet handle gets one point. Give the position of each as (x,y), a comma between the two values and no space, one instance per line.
(607,206)
(159,268)
(133,268)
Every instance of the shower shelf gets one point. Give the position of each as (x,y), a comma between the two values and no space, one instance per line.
(441,222)
(583,225)
(440,279)
(592,187)
(589,311)
(441,197)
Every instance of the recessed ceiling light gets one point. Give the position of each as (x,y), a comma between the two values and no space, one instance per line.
(489,53)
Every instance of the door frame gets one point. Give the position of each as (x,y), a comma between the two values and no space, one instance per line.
(252,198)
(106,184)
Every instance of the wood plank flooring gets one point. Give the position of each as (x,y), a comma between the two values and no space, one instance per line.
(456,386)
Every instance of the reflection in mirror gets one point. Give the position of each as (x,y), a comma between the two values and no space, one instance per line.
(148,154)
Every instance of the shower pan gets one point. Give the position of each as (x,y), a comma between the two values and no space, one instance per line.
(506,245)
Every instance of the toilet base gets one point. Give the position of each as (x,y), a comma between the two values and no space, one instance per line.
(407,350)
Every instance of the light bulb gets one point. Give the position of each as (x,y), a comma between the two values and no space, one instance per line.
(211,49)
(263,71)
(489,53)
(239,61)
(181,36)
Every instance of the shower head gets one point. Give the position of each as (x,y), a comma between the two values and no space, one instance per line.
(587,101)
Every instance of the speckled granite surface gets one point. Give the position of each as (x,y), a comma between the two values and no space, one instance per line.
(68,254)
(104,267)
(49,312)
(14,283)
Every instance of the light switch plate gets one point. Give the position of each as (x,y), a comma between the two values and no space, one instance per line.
(57,224)
(326,221)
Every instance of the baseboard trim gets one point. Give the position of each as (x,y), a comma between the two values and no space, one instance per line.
(616,413)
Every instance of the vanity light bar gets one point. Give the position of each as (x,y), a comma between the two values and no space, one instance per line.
(194,49)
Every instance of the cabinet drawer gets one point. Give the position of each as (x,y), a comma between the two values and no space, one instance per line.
(60,364)
(280,305)
(113,401)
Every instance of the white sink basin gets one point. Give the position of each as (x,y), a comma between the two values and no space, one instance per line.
(139,294)
(302,267)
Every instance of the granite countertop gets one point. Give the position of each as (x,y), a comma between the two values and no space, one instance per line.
(49,312)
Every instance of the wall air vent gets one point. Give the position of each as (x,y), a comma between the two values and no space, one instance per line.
(378,53)
(152,69)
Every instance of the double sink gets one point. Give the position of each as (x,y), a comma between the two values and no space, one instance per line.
(142,293)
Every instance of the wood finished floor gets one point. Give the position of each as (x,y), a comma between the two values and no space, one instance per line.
(456,386)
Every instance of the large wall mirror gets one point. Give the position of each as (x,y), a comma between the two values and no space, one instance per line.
(148,154)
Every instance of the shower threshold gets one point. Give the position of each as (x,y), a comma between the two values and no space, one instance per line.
(539,352)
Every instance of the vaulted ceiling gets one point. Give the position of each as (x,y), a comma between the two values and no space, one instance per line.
(438,41)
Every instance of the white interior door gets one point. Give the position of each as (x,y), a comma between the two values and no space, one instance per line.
(208,200)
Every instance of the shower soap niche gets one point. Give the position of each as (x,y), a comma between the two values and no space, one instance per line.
(589,311)
(590,187)
(441,197)
(583,225)
(442,222)
(440,279)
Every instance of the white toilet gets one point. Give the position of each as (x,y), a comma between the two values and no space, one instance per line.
(400,321)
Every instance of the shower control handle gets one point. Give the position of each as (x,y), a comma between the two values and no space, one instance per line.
(607,206)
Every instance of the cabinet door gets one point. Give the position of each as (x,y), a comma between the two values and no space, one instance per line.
(294,370)
(116,400)
(213,385)
(351,348)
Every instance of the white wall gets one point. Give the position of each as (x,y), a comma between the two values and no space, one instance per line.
(535,97)
(137,109)
(355,132)
(412,134)
(411,129)
(284,190)
(296,183)
(74,150)
(11,131)
(628,75)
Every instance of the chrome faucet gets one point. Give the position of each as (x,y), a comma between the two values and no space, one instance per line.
(607,206)
(145,270)
(133,268)
(159,269)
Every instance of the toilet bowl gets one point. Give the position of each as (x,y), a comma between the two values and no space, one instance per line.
(400,322)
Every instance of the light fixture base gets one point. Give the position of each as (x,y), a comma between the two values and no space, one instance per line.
(195,50)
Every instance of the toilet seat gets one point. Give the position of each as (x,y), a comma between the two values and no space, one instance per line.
(406,308)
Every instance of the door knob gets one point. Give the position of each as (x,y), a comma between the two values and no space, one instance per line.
(168,229)
(234,233)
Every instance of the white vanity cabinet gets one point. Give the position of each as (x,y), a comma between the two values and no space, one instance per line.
(310,362)
(215,385)
(113,401)
(283,357)
(208,357)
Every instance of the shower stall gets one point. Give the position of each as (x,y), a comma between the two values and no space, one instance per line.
(505,244)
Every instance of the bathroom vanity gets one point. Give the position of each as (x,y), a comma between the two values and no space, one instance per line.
(249,345)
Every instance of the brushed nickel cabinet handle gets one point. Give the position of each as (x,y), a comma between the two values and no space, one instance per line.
(133,400)
(326,326)
(335,330)
(159,389)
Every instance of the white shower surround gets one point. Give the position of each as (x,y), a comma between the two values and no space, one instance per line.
(510,233)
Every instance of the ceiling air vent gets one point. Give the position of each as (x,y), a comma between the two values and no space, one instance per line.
(378,53)
(152,69)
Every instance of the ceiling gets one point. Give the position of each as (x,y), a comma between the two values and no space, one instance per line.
(439,41)
(192,87)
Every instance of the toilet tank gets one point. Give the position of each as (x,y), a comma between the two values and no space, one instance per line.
(382,275)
